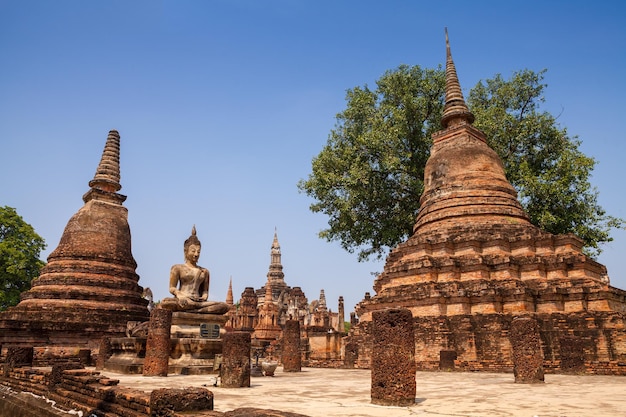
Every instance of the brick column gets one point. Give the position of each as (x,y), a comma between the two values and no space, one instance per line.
(236,360)
(291,358)
(527,353)
(158,344)
(393,358)
(104,353)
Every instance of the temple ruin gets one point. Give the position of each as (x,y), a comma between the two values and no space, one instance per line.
(475,262)
(265,311)
(89,288)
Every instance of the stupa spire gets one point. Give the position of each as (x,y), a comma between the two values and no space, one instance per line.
(464,179)
(229,295)
(275,254)
(455,110)
(106,181)
(268,291)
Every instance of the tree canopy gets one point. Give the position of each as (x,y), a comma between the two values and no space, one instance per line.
(369,177)
(20,247)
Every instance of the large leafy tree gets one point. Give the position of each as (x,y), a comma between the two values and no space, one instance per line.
(20,247)
(369,177)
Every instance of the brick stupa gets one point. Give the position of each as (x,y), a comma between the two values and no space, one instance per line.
(474,262)
(89,288)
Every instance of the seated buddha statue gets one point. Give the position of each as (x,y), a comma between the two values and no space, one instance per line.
(189,283)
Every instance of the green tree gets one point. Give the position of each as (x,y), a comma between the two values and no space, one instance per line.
(369,177)
(20,247)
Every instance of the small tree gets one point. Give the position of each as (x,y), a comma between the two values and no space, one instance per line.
(20,247)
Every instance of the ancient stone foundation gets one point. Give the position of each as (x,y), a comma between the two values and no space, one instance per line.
(292,360)
(236,360)
(156,362)
(527,353)
(393,358)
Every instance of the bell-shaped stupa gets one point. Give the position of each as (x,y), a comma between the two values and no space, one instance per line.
(89,288)
(475,261)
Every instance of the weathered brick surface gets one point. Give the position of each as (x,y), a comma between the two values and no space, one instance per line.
(157,357)
(291,358)
(572,352)
(17,357)
(164,401)
(446,360)
(236,360)
(393,358)
(527,352)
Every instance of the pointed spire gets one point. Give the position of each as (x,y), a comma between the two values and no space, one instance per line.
(268,292)
(107,176)
(275,243)
(275,251)
(106,181)
(322,301)
(229,295)
(455,110)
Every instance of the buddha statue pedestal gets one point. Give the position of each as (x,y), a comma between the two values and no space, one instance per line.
(196,343)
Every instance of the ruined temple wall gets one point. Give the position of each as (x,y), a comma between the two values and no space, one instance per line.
(324,345)
(587,342)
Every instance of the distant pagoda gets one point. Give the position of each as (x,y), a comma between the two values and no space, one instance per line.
(89,287)
(475,261)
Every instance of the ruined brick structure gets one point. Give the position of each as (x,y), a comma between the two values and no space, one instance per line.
(89,288)
(474,262)
(265,311)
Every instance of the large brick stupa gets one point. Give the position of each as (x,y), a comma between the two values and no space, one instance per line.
(475,262)
(89,288)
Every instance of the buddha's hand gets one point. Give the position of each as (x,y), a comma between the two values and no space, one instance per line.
(183,301)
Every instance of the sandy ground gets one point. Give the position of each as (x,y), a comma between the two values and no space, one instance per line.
(340,392)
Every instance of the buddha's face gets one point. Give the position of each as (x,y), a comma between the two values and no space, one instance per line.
(193,253)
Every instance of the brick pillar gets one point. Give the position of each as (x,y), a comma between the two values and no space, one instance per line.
(236,360)
(292,359)
(158,343)
(527,353)
(393,358)
(104,353)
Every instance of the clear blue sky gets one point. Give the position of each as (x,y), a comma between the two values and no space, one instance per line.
(221,106)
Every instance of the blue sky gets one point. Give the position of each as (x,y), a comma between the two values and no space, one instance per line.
(221,106)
